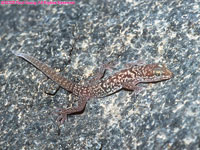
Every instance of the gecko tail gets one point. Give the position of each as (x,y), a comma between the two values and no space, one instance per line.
(49,72)
(16,53)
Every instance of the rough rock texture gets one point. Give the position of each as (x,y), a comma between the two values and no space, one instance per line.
(76,40)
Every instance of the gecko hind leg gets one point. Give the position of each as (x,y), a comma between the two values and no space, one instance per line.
(64,112)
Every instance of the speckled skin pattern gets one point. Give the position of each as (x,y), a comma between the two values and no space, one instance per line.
(124,79)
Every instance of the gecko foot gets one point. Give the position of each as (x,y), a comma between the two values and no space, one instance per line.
(137,90)
(62,116)
(109,65)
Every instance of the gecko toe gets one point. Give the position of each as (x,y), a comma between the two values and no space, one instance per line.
(62,115)
(60,111)
(61,119)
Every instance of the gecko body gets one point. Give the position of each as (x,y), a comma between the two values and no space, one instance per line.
(127,78)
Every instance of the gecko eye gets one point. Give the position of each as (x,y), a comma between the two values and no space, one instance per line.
(157,72)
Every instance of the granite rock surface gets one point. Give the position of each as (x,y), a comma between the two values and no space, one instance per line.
(76,40)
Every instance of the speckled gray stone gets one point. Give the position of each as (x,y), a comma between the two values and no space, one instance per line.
(76,40)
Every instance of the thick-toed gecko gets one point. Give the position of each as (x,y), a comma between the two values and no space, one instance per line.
(127,78)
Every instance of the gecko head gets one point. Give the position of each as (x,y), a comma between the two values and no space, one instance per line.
(155,73)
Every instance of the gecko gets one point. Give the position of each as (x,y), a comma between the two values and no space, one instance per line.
(127,78)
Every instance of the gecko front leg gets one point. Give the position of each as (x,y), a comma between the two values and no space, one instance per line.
(101,71)
(132,87)
(135,63)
